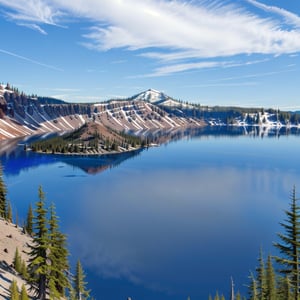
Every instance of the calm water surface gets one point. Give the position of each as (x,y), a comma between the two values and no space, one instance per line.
(171,222)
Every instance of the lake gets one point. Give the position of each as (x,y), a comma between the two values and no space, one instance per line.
(169,222)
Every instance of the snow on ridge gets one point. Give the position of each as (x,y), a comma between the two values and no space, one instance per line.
(152,96)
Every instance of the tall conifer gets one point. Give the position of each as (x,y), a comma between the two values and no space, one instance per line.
(24,295)
(58,255)
(271,291)
(3,191)
(29,220)
(261,277)
(79,283)
(253,294)
(14,292)
(39,263)
(289,246)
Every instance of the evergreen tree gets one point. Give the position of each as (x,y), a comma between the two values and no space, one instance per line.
(261,277)
(253,294)
(24,271)
(284,289)
(9,212)
(289,246)
(58,255)
(24,295)
(217,297)
(14,292)
(2,195)
(79,283)
(17,262)
(238,296)
(29,221)
(271,292)
(39,264)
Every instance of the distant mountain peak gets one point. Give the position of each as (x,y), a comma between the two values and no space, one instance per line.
(152,96)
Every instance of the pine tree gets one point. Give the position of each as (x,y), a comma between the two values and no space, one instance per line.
(2,195)
(271,292)
(289,246)
(39,264)
(17,262)
(14,292)
(24,295)
(252,288)
(261,277)
(24,271)
(284,289)
(58,255)
(217,297)
(9,212)
(79,283)
(29,220)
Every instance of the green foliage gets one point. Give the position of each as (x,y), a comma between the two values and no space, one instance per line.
(17,262)
(29,221)
(271,291)
(2,195)
(284,289)
(14,292)
(24,271)
(58,255)
(9,216)
(261,277)
(79,284)
(24,295)
(39,266)
(289,246)
(252,288)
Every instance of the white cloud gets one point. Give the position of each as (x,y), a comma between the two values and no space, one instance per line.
(174,30)
(289,16)
(31,11)
(34,27)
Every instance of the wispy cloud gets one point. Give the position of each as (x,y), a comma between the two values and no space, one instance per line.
(34,27)
(32,12)
(184,67)
(289,16)
(174,30)
(30,60)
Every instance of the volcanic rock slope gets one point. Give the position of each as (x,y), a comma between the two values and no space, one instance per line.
(23,115)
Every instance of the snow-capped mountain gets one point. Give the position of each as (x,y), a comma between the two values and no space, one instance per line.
(151,96)
(22,115)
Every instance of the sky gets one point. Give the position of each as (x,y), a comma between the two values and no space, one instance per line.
(219,52)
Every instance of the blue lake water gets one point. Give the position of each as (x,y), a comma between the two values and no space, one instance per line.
(170,222)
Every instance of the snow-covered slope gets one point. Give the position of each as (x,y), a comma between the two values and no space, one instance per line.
(151,96)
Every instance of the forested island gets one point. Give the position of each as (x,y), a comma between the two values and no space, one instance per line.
(89,139)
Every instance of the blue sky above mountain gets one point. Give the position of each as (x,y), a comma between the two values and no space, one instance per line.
(243,52)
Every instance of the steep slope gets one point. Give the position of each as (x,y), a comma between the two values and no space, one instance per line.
(22,115)
(151,110)
(11,237)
